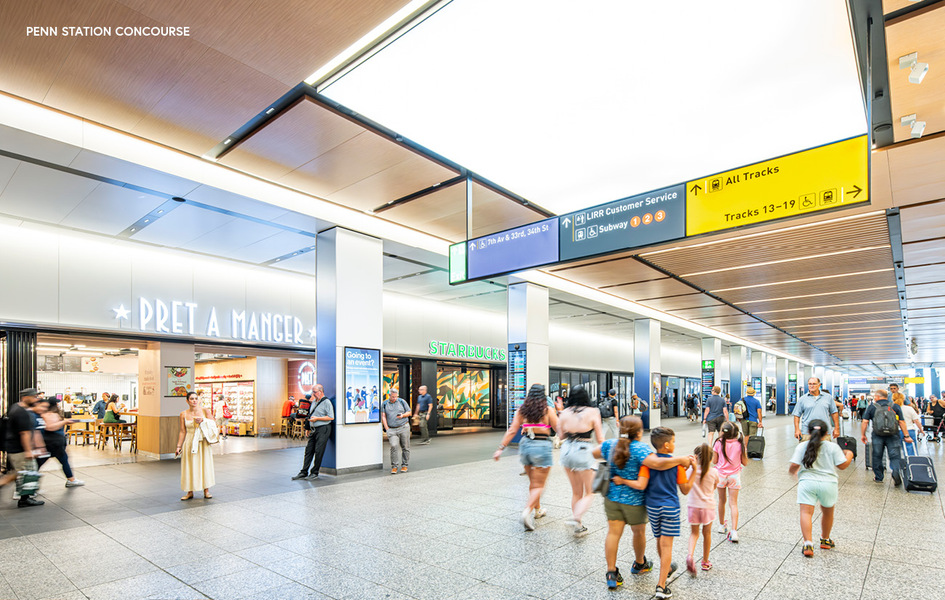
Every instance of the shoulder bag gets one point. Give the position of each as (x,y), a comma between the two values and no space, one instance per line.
(601,483)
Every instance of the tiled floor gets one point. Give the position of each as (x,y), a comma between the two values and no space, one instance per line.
(447,529)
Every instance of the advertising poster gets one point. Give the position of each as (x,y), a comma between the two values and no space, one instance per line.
(655,390)
(180,381)
(362,385)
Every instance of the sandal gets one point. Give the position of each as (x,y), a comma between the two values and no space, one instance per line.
(189,496)
(706,565)
(207,496)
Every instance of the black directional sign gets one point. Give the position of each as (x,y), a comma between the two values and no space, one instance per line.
(641,220)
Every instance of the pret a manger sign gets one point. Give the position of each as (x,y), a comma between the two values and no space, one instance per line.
(188,318)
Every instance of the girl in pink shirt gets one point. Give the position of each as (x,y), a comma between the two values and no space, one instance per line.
(730,456)
(701,505)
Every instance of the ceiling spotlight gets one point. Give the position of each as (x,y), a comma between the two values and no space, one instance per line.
(917,128)
(917,70)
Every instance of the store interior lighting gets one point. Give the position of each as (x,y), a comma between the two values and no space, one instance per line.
(917,70)
(568,108)
(916,128)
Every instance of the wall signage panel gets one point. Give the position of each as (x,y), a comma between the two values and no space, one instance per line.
(637,221)
(362,379)
(471,351)
(818,179)
(513,250)
(708,377)
(518,386)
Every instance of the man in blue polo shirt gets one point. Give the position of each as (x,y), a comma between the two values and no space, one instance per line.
(752,414)
(815,404)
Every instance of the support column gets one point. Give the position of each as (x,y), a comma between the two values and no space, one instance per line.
(528,334)
(921,387)
(781,386)
(758,362)
(936,382)
(737,371)
(158,424)
(844,385)
(647,371)
(806,372)
(19,364)
(349,312)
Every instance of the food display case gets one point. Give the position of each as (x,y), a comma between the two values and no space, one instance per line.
(241,396)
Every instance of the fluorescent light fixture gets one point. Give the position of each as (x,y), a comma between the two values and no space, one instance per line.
(761,285)
(785,260)
(553,100)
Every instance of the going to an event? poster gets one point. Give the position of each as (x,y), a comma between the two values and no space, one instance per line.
(362,385)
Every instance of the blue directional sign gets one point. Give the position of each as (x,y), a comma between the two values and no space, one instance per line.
(633,222)
(513,250)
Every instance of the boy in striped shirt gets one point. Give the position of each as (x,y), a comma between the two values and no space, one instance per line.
(662,504)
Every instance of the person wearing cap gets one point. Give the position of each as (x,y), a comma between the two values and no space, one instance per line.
(21,443)
(610,415)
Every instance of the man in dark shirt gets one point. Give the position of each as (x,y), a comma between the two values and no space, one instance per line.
(423,410)
(891,443)
(21,445)
(715,413)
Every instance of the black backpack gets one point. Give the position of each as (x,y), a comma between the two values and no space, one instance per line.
(606,408)
(884,421)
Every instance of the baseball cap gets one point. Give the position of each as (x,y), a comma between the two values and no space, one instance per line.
(612,392)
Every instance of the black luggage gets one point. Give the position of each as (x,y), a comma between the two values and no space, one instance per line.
(847,442)
(756,445)
(868,454)
(918,474)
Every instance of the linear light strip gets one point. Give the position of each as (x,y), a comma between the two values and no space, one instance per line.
(846,292)
(764,233)
(761,285)
(823,306)
(786,260)
(796,327)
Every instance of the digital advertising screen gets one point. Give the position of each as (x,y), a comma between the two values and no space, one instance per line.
(362,379)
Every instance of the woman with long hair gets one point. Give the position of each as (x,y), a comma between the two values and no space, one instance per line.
(578,422)
(535,420)
(196,467)
(815,462)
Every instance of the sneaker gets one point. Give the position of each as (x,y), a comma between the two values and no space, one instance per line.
(403,469)
(827,543)
(691,566)
(29,501)
(424,443)
(672,569)
(877,480)
(733,536)
(723,528)
(299,476)
(580,531)
(663,592)
(897,479)
(637,568)
(312,477)
(393,471)
(527,520)
(74,483)
(614,579)
(808,549)
(541,512)
(706,565)
(573,523)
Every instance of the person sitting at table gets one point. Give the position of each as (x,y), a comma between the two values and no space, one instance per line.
(98,409)
(112,410)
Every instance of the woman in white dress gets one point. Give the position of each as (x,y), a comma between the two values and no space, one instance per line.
(196,468)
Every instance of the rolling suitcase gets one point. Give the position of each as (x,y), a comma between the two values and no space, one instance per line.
(847,442)
(756,445)
(918,474)
(868,454)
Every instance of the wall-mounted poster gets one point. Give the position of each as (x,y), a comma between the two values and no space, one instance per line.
(362,385)
(180,381)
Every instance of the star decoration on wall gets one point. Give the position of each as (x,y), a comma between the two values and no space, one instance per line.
(121,312)
(311,332)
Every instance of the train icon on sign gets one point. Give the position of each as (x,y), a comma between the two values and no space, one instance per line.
(715,185)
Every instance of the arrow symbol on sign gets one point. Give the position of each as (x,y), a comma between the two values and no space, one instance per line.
(567,222)
(472,246)
(856,191)
(695,189)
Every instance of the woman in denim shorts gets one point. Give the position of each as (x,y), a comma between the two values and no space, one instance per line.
(535,420)
(578,421)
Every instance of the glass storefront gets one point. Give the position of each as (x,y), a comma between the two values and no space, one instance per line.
(596,383)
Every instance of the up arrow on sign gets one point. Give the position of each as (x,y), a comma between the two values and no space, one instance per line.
(567,222)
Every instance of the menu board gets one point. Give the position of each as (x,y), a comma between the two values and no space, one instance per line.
(518,388)
(708,377)
(52,362)
(72,363)
(180,381)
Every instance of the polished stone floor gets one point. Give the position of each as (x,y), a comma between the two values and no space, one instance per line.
(447,529)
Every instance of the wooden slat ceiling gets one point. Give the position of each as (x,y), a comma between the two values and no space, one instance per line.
(922,34)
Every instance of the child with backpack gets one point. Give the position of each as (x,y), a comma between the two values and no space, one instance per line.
(730,456)
(701,506)
(815,462)
(662,504)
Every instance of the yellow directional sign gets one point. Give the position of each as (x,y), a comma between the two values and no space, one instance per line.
(818,179)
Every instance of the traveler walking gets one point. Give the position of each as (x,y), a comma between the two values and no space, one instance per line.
(424,412)
(196,460)
(54,436)
(701,506)
(730,456)
(815,404)
(318,425)
(223,416)
(23,445)
(751,412)
(536,420)
(395,419)
(578,421)
(861,405)
(609,414)
(887,420)
(815,462)
(715,413)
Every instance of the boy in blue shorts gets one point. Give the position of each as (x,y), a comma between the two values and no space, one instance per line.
(662,504)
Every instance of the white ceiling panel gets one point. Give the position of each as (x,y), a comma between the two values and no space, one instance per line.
(110,209)
(235,202)
(394,268)
(36,146)
(181,225)
(43,194)
(273,247)
(303,263)
(419,285)
(303,222)
(416,254)
(491,302)
(231,236)
(122,170)
(7,169)
(458,292)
